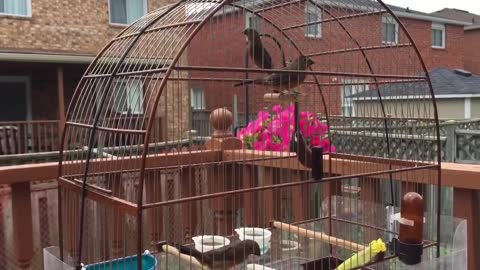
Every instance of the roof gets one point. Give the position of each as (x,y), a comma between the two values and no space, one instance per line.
(399,11)
(446,83)
(459,15)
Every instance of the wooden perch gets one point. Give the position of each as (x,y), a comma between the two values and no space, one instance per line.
(189,259)
(318,236)
(278,97)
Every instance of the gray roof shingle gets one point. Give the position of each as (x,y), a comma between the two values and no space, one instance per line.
(459,15)
(444,81)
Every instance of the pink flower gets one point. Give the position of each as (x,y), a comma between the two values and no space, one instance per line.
(259,145)
(315,141)
(277,108)
(263,115)
(274,131)
(305,115)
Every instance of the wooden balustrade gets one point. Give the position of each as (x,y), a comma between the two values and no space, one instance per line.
(28,136)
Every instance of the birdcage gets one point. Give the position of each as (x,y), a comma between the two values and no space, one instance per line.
(312,121)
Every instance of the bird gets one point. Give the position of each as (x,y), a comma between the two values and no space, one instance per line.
(282,82)
(257,52)
(225,257)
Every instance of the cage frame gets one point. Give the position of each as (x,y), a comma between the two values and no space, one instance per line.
(140,206)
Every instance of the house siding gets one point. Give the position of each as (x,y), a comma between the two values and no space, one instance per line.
(472,51)
(74,26)
(452,56)
(447,108)
(475,107)
(77,27)
(228,46)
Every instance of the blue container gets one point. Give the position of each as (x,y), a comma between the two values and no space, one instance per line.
(128,263)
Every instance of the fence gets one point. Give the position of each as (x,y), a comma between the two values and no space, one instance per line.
(28,136)
(460,140)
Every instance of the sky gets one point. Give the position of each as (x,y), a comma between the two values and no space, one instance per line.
(473,6)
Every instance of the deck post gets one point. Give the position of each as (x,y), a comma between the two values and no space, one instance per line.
(223,176)
(61,100)
(22,224)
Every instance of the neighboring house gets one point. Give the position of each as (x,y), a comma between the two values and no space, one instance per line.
(46,46)
(472,51)
(457,93)
(472,35)
(440,41)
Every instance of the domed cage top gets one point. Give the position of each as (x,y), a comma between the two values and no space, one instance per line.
(180,127)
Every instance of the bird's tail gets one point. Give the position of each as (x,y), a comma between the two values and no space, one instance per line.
(190,251)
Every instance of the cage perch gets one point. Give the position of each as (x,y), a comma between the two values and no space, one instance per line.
(184,257)
(335,241)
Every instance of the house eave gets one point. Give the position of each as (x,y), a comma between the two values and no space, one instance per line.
(446,96)
(430,18)
(45,58)
(472,27)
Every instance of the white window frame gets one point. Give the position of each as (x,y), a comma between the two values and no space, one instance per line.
(145,11)
(29,11)
(349,102)
(311,8)
(388,19)
(249,15)
(192,101)
(441,27)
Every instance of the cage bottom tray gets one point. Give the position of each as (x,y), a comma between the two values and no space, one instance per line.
(128,263)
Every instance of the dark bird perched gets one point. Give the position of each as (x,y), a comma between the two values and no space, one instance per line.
(304,153)
(257,52)
(224,257)
(284,80)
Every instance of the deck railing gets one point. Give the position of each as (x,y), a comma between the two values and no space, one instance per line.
(28,205)
(18,137)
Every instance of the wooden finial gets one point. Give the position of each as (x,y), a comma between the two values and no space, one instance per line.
(221,120)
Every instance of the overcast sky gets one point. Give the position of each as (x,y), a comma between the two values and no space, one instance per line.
(428,6)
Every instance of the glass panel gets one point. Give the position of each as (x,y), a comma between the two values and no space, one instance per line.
(118,11)
(389,32)
(2,6)
(346,101)
(437,38)
(135,97)
(254,22)
(15,7)
(120,99)
(312,30)
(135,10)
(198,99)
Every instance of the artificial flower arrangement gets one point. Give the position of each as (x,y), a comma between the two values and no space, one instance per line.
(274,131)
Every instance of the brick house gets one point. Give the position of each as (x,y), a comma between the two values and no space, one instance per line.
(471,35)
(440,41)
(46,45)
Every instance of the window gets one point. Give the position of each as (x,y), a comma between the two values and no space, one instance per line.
(348,90)
(127,11)
(197,97)
(15,7)
(128,97)
(438,35)
(253,21)
(313,14)
(389,30)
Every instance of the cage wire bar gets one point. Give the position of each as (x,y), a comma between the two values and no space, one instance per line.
(364,83)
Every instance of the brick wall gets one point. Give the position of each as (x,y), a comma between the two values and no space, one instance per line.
(80,26)
(472,51)
(221,43)
(451,56)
